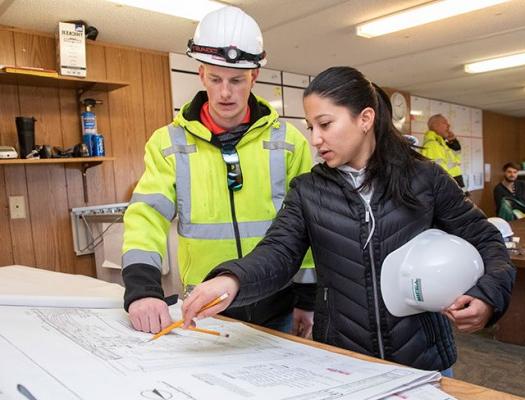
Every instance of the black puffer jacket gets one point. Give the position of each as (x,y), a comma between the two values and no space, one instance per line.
(323,211)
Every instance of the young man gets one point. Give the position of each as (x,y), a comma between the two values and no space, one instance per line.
(223,167)
(509,194)
(441,146)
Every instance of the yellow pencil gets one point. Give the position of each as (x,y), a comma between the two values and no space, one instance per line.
(208,331)
(179,323)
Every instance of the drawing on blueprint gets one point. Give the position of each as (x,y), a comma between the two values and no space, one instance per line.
(113,341)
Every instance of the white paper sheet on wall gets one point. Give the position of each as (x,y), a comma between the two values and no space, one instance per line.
(440,107)
(420,112)
(293,102)
(460,120)
(273,94)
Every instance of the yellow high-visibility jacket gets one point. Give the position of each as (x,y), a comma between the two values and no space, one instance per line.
(436,149)
(185,176)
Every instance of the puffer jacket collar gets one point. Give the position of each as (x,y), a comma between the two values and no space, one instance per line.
(334,175)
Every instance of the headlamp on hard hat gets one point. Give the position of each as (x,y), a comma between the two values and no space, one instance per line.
(231,54)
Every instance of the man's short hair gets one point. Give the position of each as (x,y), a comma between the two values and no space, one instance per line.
(511,165)
(433,119)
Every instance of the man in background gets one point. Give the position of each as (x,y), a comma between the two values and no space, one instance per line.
(223,166)
(441,146)
(509,194)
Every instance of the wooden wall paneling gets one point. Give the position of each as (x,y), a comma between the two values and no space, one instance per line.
(46,185)
(8,94)
(71,135)
(21,233)
(167,88)
(126,119)
(154,87)
(34,50)
(501,144)
(8,111)
(476,196)
(101,180)
(522,139)
(8,137)
(7,47)
(126,107)
(6,251)
(95,61)
(47,194)
(15,235)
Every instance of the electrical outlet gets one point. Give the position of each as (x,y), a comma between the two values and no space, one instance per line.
(17,207)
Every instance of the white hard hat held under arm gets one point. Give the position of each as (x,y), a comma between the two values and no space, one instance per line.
(228,37)
(428,273)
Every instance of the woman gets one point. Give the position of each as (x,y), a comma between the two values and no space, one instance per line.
(372,194)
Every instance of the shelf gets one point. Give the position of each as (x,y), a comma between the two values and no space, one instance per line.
(65,160)
(65,82)
(85,164)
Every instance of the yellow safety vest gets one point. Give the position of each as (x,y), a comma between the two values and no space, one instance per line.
(185,176)
(436,149)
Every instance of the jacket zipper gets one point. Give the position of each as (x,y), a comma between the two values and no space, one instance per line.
(325,297)
(247,308)
(235,225)
(374,285)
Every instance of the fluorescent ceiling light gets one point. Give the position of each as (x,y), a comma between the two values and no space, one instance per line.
(421,15)
(416,113)
(514,60)
(190,9)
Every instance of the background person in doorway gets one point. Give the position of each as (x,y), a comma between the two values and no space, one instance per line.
(372,195)
(223,167)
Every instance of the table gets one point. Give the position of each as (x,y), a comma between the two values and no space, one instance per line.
(511,328)
(460,390)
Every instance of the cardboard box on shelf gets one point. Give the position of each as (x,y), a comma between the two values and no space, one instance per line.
(71,49)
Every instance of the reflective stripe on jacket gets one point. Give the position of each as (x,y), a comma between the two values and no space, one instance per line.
(185,176)
(436,149)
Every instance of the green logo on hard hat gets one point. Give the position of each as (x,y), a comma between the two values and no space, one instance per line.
(417,290)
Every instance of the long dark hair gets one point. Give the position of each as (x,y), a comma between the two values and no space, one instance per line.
(393,158)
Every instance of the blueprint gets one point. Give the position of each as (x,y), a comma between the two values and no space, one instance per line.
(73,353)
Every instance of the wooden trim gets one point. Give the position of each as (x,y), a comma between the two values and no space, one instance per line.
(65,82)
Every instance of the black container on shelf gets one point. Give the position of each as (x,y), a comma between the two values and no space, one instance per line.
(25,127)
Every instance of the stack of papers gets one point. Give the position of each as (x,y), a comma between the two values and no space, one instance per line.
(27,286)
(75,353)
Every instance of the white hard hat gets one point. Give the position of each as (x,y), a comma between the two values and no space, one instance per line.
(502,225)
(428,273)
(230,38)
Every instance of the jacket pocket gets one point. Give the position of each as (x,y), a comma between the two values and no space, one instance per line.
(321,328)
